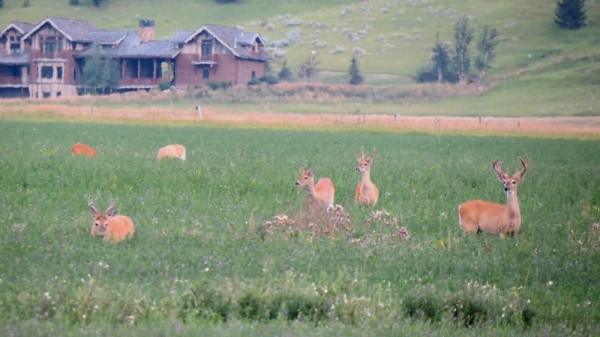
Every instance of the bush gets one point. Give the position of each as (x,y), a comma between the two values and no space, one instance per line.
(269,79)
(166,85)
(215,85)
(201,302)
(253,81)
(423,308)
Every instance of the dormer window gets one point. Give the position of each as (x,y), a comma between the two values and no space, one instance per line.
(51,44)
(206,46)
(15,45)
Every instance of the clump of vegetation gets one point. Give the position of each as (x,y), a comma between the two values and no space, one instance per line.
(311,222)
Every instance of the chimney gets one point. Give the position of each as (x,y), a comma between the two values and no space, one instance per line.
(146,30)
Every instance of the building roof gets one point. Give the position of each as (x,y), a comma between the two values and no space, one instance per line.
(15,59)
(76,30)
(125,44)
(131,46)
(233,38)
(22,27)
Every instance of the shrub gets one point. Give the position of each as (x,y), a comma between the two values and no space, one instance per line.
(423,308)
(269,79)
(202,302)
(215,85)
(166,85)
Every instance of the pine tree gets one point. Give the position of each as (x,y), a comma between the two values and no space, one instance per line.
(463,34)
(485,46)
(441,59)
(285,73)
(570,14)
(355,76)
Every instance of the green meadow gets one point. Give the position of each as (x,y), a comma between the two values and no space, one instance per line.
(207,258)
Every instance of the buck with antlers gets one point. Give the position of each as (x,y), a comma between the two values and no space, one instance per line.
(484,216)
(320,194)
(366,192)
(109,225)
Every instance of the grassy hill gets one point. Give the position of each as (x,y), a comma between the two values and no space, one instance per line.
(536,64)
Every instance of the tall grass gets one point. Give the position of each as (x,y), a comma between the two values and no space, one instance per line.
(202,258)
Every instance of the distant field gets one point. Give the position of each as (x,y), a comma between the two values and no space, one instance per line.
(203,258)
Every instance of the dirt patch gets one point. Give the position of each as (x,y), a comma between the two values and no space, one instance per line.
(560,127)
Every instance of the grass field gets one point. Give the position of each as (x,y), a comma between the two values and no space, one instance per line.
(204,259)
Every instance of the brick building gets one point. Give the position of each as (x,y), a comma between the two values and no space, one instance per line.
(46,59)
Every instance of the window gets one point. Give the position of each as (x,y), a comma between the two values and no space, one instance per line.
(45,94)
(50,44)
(253,74)
(206,74)
(59,73)
(206,48)
(47,72)
(16,72)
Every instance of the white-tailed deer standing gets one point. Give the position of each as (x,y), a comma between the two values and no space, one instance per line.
(484,216)
(172,151)
(321,194)
(110,225)
(83,150)
(366,192)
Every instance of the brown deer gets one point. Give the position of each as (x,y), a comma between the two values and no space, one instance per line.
(366,192)
(321,194)
(83,150)
(109,225)
(484,216)
(172,151)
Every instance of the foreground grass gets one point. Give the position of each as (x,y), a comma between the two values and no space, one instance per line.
(203,258)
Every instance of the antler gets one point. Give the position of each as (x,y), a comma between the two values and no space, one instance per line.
(111,210)
(525,164)
(497,166)
(361,155)
(92,206)
(373,153)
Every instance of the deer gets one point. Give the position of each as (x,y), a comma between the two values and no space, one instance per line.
(366,192)
(172,151)
(85,150)
(483,216)
(109,225)
(320,194)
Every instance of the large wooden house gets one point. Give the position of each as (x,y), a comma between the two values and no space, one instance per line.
(47,59)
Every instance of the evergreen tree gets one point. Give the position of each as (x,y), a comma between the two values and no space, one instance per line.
(570,14)
(1,3)
(463,34)
(285,73)
(100,74)
(441,59)
(355,76)
(485,46)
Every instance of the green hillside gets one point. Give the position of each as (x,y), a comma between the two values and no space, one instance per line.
(535,59)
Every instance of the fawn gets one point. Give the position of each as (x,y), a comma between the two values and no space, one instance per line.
(484,216)
(320,194)
(110,225)
(83,150)
(366,192)
(172,151)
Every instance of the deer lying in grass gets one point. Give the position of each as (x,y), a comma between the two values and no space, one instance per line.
(484,216)
(321,194)
(83,150)
(366,192)
(172,151)
(109,225)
